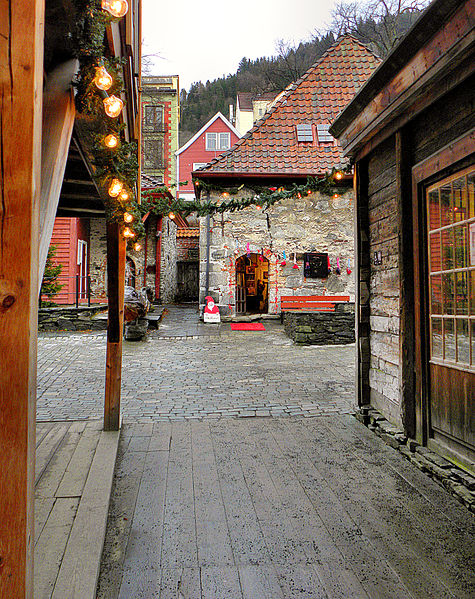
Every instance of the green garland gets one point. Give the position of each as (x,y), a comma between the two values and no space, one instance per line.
(156,201)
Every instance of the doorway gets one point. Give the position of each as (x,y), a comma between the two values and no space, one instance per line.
(252,284)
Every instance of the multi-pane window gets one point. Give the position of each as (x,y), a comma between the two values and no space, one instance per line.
(304,132)
(218,141)
(323,134)
(153,116)
(451,240)
(152,151)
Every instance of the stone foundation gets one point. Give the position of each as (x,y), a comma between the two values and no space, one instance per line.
(322,328)
(73,319)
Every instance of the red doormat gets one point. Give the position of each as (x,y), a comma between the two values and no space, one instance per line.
(247,326)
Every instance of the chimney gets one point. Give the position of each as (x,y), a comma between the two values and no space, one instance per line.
(231,114)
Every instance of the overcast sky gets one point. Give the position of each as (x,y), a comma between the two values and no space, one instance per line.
(201,40)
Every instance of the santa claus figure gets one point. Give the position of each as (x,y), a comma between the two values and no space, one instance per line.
(211,311)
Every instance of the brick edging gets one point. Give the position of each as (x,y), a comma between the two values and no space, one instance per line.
(456,481)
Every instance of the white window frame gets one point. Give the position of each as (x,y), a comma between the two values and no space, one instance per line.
(218,141)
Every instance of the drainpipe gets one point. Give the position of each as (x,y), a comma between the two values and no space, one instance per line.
(158,258)
(145,255)
(208,243)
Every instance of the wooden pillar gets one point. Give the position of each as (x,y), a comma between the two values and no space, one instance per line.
(362,283)
(21,83)
(406,282)
(116,246)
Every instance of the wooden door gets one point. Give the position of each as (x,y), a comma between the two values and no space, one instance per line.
(188,274)
(450,206)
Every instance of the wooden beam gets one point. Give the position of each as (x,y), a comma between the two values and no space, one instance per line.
(21,83)
(58,120)
(116,247)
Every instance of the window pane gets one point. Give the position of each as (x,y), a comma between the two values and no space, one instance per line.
(471,194)
(460,199)
(472,325)
(461,246)
(437,346)
(471,243)
(224,141)
(435,259)
(471,291)
(447,249)
(434,209)
(211,139)
(449,339)
(448,292)
(463,342)
(446,207)
(436,294)
(461,291)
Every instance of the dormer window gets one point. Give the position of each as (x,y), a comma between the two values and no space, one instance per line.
(323,135)
(304,132)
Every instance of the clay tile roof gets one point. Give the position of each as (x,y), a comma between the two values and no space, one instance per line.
(150,182)
(271,146)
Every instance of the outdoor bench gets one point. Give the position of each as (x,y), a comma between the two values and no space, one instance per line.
(311,303)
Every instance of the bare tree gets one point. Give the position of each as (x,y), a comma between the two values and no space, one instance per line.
(378,23)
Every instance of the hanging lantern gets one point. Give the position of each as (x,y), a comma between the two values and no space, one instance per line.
(115,188)
(137,246)
(113,106)
(117,8)
(128,233)
(128,218)
(124,195)
(111,141)
(103,79)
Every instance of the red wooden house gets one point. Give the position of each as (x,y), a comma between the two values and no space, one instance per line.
(215,137)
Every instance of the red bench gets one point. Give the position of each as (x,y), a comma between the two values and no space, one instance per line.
(311,303)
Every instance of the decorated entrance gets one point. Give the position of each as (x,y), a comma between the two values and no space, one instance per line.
(252,284)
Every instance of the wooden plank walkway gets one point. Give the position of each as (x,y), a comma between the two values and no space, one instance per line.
(75,464)
(285,508)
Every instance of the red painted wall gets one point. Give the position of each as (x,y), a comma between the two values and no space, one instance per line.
(66,233)
(197,153)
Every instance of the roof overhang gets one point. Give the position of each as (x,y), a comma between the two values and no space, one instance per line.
(435,56)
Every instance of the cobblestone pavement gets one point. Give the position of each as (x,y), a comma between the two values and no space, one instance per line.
(188,370)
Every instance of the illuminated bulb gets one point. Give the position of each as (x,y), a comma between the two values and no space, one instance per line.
(111,141)
(309,191)
(299,195)
(128,233)
(113,106)
(225,194)
(171,215)
(117,8)
(258,207)
(124,195)
(128,218)
(137,246)
(336,196)
(115,188)
(102,79)
(339,175)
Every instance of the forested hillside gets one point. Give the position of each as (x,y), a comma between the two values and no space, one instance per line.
(275,73)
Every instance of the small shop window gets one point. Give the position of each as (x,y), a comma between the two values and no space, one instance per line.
(316,265)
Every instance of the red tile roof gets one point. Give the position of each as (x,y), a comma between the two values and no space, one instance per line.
(271,146)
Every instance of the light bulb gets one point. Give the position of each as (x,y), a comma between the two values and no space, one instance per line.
(113,106)
(225,194)
(128,233)
(336,196)
(338,175)
(128,218)
(115,188)
(117,8)
(111,141)
(124,195)
(258,207)
(171,215)
(137,246)
(102,79)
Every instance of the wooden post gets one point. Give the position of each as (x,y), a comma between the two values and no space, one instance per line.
(406,282)
(21,83)
(116,246)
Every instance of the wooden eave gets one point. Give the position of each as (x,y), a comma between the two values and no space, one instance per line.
(435,56)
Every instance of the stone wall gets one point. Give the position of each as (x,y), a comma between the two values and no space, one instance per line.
(168,271)
(322,328)
(72,319)
(315,223)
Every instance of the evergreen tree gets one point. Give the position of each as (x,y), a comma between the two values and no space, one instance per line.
(50,285)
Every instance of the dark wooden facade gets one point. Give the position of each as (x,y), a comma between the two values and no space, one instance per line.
(411,133)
